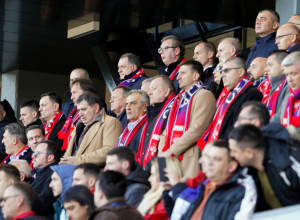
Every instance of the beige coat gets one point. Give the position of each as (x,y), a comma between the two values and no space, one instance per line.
(202,112)
(99,139)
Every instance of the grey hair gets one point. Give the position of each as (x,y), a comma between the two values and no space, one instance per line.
(17,130)
(176,42)
(239,62)
(144,96)
(291,59)
(235,42)
(148,80)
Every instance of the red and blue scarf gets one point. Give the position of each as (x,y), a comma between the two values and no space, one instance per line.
(66,131)
(18,156)
(51,124)
(175,72)
(291,115)
(272,102)
(178,121)
(265,88)
(127,134)
(224,101)
(156,132)
(129,82)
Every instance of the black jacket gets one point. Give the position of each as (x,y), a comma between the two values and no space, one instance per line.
(123,119)
(249,94)
(138,185)
(208,81)
(37,122)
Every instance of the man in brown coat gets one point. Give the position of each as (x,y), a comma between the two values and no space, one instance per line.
(190,115)
(95,134)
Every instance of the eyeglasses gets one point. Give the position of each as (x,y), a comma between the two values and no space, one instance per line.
(163,49)
(281,36)
(37,153)
(293,23)
(4,199)
(226,70)
(245,119)
(218,68)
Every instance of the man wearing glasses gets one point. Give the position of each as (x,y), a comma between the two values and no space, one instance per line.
(46,154)
(171,51)
(288,38)
(238,89)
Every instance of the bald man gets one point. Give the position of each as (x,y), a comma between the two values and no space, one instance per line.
(288,38)
(257,70)
(295,19)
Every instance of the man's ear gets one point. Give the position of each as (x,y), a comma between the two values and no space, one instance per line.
(233,165)
(275,25)
(34,114)
(125,165)
(177,51)
(233,51)
(50,157)
(210,55)
(92,182)
(56,106)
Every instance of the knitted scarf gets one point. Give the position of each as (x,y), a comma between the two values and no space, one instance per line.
(272,102)
(265,88)
(291,115)
(51,124)
(178,121)
(129,82)
(154,139)
(175,72)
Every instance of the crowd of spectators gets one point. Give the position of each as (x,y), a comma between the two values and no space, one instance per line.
(216,137)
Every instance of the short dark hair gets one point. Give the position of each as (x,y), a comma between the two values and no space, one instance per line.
(195,67)
(10,171)
(258,110)
(124,153)
(248,135)
(52,149)
(82,195)
(32,127)
(86,85)
(125,90)
(279,55)
(26,190)
(33,105)
(220,143)
(90,98)
(17,130)
(112,184)
(54,98)
(90,169)
(177,42)
(274,15)
(133,59)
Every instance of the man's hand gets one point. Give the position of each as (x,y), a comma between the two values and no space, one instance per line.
(67,160)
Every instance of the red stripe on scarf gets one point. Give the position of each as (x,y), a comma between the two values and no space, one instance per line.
(291,115)
(173,75)
(272,102)
(51,124)
(129,82)
(265,88)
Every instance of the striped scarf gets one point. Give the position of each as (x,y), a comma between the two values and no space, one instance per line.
(265,88)
(51,124)
(272,102)
(291,115)
(129,82)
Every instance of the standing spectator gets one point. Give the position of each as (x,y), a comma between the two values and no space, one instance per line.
(266,25)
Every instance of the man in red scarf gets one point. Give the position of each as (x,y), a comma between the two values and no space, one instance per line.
(190,115)
(289,113)
(50,109)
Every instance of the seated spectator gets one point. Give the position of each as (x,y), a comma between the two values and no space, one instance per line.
(136,108)
(227,193)
(95,134)
(146,85)
(276,170)
(50,109)
(255,113)
(24,169)
(288,38)
(118,103)
(8,175)
(279,88)
(238,89)
(7,116)
(205,53)
(130,71)
(15,141)
(295,20)
(218,79)
(35,134)
(228,48)
(161,93)
(191,113)
(109,198)
(86,174)
(61,181)
(47,154)
(257,71)
(152,206)
(17,202)
(122,160)
(78,203)
(29,113)
(78,87)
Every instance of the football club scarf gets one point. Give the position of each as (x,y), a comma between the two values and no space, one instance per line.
(265,88)
(272,102)
(129,82)
(51,124)
(20,154)
(156,132)
(223,103)
(179,116)
(175,72)
(291,115)
(66,131)
(127,134)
